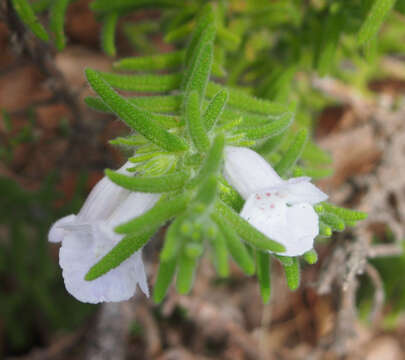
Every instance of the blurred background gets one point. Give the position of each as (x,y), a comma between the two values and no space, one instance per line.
(53,150)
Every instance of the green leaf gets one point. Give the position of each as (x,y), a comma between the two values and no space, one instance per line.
(127,5)
(292,274)
(324,229)
(273,128)
(241,100)
(376,16)
(332,220)
(133,116)
(201,71)
(152,184)
(185,273)
(158,215)
(333,26)
(119,253)
(213,161)
(204,32)
(207,192)
(40,6)
(293,153)
(194,123)
(235,246)
(148,63)
(143,83)
(214,109)
(108,32)
(57,22)
(173,240)
(164,278)
(311,257)
(220,253)
(26,14)
(269,145)
(165,103)
(247,231)
(285,260)
(345,214)
(229,195)
(163,120)
(263,275)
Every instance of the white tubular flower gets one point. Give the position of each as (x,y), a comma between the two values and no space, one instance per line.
(282,210)
(88,236)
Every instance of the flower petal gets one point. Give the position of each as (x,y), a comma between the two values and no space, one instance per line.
(57,232)
(82,249)
(103,198)
(302,190)
(295,226)
(268,214)
(247,171)
(303,227)
(133,206)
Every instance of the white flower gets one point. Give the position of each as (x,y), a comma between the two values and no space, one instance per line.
(89,235)
(282,210)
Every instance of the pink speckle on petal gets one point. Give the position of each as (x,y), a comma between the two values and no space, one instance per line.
(258,197)
(272,206)
(268,194)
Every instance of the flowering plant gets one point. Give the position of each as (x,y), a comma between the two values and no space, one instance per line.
(201,161)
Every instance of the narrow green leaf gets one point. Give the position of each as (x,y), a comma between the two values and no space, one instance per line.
(271,129)
(185,273)
(220,254)
(285,260)
(108,32)
(152,184)
(293,153)
(213,161)
(332,220)
(376,16)
(229,195)
(324,229)
(292,274)
(201,71)
(180,32)
(269,145)
(164,104)
(173,240)
(263,275)
(207,192)
(241,100)
(247,231)
(235,246)
(214,109)
(194,123)
(149,63)
(163,120)
(127,5)
(334,24)
(57,22)
(315,154)
(229,39)
(164,278)
(143,83)
(26,14)
(133,116)
(205,27)
(311,257)
(158,215)
(345,214)
(119,253)
(40,6)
